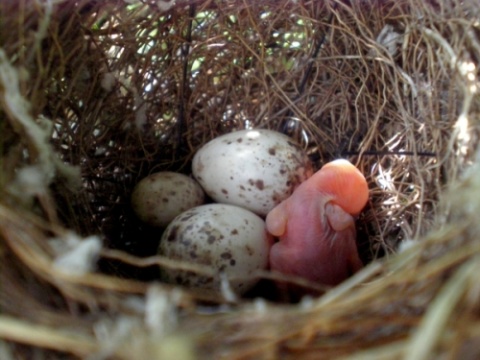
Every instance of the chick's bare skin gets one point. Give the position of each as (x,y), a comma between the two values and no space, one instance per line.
(315,226)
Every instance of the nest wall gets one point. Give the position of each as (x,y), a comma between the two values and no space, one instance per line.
(95,96)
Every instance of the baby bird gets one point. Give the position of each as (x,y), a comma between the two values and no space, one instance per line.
(315,225)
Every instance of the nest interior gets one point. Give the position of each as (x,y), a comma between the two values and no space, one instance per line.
(95,96)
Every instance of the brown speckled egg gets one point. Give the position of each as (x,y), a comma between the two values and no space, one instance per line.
(225,238)
(254,169)
(161,196)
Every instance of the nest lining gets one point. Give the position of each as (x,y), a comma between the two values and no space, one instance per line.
(121,90)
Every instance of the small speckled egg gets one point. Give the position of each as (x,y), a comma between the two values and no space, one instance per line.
(161,196)
(254,169)
(225,238)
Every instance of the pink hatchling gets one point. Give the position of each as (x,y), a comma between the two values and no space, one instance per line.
(315,225)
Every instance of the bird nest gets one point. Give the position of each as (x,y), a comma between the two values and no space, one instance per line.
(97,95)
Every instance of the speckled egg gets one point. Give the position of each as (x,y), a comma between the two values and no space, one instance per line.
(158,198)
(225,238)
(254,169)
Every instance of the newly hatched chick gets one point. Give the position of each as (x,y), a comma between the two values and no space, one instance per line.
(316,228)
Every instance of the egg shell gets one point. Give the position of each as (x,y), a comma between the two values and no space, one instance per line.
(225,238)
(158,198)
(254,169)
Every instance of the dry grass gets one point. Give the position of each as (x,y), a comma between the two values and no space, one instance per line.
(94,97)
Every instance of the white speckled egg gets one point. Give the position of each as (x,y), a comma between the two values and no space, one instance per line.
(254,169)
(225,238)
(161,196)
